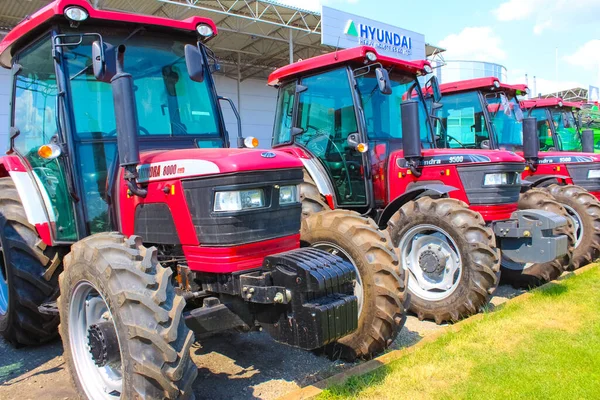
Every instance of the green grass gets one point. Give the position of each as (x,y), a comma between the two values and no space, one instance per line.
(546,347)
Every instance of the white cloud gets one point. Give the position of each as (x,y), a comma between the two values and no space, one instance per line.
(314,5)
(516,10)
(586,56)
(549,13)
(473,43)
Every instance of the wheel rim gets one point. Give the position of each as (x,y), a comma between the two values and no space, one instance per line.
(3,285)
(88,307)
(338,251)
(433,262)
(578,224)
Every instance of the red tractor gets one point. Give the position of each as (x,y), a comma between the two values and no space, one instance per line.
(359,123)
(565,167)
(124,213)
(485,113)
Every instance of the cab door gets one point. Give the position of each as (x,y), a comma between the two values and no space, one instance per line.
(327,117)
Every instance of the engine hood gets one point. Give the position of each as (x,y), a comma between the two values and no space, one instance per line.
(567,157)
(463,156)
(185,163)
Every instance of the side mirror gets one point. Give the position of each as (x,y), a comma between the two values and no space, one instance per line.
(433,86)
(531,141)
(295,131)
(485,144)
(383,80)
(587,141)
(104,59)
(194,62)
(411,130)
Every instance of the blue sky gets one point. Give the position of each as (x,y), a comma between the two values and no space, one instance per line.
(522,35)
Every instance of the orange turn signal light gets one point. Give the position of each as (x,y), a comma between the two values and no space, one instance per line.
(362,147)
(49,151)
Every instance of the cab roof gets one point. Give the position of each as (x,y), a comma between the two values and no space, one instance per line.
(339,57)
(480,84)
(44,17)
(550,102)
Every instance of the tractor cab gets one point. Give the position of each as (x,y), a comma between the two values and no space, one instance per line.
(344,110)
(479,114)
(549,142)
(64,124)
(557,126)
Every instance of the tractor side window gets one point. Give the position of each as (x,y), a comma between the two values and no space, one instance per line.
(543,129)
(566,130)
(34,114)
(283,115)
(327,117)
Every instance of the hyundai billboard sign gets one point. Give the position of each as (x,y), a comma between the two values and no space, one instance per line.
(343,30)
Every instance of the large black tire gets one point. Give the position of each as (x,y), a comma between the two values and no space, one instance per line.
(146,312)
(357,239)
(475,244)
(532,275)
(31,271)
(311,198)
(587,209)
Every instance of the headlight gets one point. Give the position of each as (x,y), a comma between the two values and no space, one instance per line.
(594,173)
(204,30)
(496,179)
(239,200)
(288,194)
(76,14)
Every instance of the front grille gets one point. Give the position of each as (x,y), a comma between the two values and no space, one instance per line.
(472,178)
(579,174)
(247,226)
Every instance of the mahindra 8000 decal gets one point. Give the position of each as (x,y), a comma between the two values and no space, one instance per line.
(175,169)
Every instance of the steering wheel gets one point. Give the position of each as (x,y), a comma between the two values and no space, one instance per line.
(346,164)
(449,138)
(141,128)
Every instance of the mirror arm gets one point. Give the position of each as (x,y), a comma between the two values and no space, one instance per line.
(240,138)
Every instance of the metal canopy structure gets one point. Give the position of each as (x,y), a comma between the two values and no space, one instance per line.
(575,95)
(255,36)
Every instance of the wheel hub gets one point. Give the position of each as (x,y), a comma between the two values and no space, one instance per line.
(431,264)
(103,343)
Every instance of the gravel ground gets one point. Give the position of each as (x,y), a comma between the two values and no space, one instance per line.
(230,366)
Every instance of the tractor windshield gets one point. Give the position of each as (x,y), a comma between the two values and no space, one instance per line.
(169,103)
(566,130)
(383,117)
(173,111)
(506,118)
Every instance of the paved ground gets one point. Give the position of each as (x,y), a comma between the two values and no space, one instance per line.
(230,366)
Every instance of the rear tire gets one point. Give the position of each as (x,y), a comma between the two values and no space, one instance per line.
(445,234)
(525,276)
(127,286)
(380,285)
(584,208)
(28,272)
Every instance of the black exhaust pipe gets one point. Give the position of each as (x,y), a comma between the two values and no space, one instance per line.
(127,124)
(587,141)
(531,142)
(411,135)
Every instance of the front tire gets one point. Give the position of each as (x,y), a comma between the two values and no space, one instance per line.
(115,288)
(584,209)
(379,287)
(527,275)
(28,274)
(450,255)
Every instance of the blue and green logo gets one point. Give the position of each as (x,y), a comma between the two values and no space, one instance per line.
(379,37)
